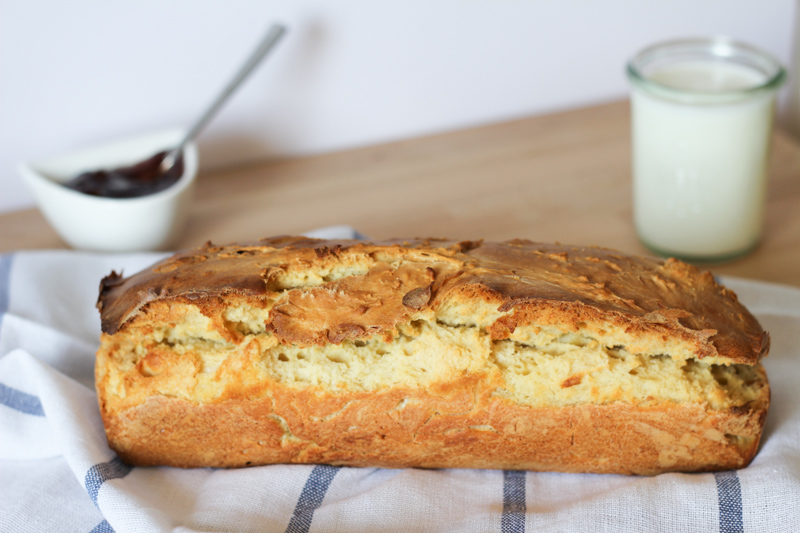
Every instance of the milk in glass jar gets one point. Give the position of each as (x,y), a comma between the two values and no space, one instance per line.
(701,121)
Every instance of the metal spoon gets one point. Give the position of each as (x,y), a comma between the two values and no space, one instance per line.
(273,35)
(161,170)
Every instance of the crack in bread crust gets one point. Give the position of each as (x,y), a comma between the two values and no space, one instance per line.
(421,355)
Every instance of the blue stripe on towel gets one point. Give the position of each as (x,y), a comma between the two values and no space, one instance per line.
(5,284)
(20,401)
(102,472)
(513,519)
(729,494)
(311,498)
(9,396)
(103,527)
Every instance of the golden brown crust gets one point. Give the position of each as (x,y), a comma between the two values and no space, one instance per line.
(166,403)
(319,315)
(539,282)
(465,427)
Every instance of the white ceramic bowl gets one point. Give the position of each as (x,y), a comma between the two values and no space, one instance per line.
(86,222)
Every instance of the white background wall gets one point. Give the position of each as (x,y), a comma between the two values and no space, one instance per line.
(349,73)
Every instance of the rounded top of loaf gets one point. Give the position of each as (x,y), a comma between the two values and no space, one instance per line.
(324,291)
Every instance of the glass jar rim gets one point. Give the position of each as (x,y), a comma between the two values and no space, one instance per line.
(718,48)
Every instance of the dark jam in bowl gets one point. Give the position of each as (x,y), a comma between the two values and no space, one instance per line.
(141,179)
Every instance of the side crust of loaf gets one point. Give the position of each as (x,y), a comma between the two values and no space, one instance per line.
(461,428)
(430,354)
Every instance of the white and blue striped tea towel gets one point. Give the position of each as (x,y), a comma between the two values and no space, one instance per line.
(58,474)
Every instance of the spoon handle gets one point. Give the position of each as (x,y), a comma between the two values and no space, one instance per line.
(274,34)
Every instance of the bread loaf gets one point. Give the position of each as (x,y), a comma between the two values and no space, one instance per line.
(429,353)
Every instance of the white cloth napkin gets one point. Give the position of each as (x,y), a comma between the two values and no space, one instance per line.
(58,474)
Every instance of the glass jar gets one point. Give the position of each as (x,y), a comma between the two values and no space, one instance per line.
(701,117)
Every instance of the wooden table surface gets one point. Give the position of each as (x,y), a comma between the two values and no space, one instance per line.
(560,177)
